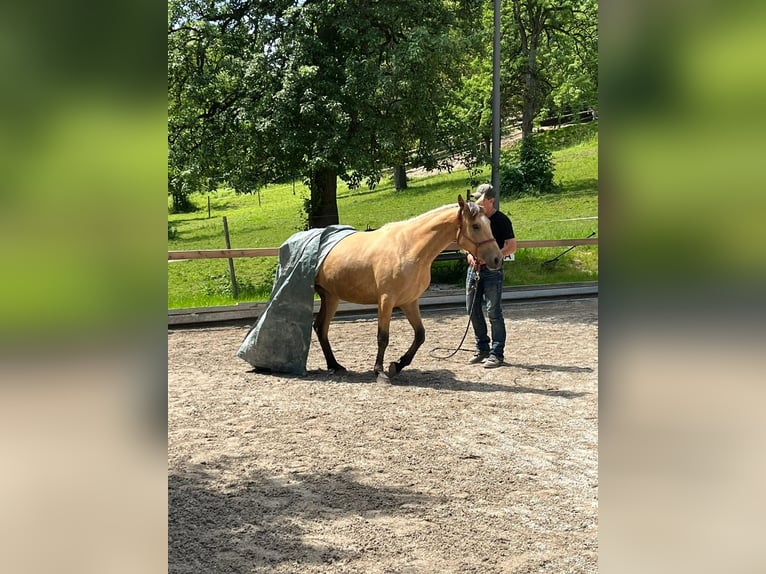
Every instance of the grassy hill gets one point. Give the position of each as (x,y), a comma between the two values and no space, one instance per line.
(267,218)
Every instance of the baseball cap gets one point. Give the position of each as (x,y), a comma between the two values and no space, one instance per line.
(485,190)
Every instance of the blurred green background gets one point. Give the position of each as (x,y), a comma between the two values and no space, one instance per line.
(83,164)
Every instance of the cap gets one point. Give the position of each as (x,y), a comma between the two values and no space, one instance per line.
(484,191)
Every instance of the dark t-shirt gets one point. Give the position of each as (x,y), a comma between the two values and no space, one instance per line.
(502,228)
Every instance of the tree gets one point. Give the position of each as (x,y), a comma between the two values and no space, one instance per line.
(323,89)
(573,69)
(209,47)
(549,47)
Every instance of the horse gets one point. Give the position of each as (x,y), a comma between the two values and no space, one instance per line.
(391,267)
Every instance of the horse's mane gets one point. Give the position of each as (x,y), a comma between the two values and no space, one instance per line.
(425,215)
(473,208)
(434,211)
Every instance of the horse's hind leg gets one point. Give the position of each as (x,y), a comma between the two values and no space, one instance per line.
(327,310)
(412,312)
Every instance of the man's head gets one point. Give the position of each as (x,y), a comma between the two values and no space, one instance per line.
(484,191)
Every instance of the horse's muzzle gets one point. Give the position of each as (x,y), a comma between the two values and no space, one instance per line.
(494,263)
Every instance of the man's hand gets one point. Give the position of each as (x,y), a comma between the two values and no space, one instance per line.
(473,262)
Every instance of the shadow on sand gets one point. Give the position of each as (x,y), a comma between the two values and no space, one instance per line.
(256,522)
(445,380)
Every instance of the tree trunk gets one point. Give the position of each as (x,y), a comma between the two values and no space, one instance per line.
(400,177)
(323,210)
(529,104)
(487,145)
(530,33)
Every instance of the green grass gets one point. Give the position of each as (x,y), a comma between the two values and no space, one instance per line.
(268,218)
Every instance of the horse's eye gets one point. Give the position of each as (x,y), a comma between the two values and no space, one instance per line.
(475,227)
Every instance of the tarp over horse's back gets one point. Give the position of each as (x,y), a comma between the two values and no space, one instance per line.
(279,341)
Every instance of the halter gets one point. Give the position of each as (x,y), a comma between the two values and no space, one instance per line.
(481,242)
(475,244)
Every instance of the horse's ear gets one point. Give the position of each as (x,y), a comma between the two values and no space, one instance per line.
(460,201)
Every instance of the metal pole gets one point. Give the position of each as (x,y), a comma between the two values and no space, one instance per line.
(496,107)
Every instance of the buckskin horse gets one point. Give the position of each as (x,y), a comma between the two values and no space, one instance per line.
(391,267)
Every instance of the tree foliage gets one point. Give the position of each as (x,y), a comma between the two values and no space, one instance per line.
(550,57)
(264,91)
(261,91)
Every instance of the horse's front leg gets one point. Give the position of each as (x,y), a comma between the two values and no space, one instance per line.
(384,322)
(412,312)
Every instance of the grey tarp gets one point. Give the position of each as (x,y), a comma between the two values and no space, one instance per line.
(281,337)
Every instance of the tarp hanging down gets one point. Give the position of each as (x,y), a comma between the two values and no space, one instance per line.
(279,342)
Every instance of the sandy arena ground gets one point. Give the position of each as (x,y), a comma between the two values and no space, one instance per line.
(452,468)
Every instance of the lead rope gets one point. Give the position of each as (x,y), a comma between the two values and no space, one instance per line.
(470,312)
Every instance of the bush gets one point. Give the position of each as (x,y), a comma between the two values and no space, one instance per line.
(527,169)
(182,203)
(450,272)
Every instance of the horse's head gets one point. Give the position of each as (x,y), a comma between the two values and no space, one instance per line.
(475,234)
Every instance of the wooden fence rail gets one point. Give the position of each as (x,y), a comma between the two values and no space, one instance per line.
(274,251)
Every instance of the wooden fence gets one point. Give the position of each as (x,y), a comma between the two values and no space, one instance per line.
(274,251)
(251,310)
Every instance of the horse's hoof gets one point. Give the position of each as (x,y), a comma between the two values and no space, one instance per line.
(393,369)
(338,369)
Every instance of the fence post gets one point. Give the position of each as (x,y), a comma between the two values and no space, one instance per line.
(234,288)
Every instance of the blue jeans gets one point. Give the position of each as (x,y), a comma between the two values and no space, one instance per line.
(488,294)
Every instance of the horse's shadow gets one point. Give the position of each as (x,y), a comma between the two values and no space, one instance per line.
(444,380)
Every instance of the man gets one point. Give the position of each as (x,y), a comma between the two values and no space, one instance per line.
(484,288)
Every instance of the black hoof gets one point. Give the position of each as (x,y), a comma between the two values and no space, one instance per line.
(394,369)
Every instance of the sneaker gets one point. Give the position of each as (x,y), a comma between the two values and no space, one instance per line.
(492,362)
(478,358)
